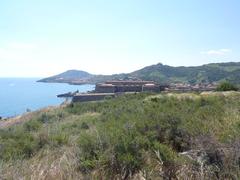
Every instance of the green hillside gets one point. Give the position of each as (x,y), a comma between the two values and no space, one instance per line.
(206,73)
(161,73)
(138,136)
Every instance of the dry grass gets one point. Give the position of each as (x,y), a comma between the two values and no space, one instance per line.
(46,165)
(25,117)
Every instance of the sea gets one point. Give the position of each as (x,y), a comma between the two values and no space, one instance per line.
(17,95)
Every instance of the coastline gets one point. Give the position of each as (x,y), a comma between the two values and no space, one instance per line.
(11,121)
(19,95)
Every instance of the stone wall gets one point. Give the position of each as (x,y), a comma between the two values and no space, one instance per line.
(104,89)
(134,88)
(154,88)
(91,97)
(107,88)
(129,83)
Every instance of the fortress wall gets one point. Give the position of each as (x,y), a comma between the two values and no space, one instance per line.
(126,83)
(89,97)
(129,88)
(105,89)
(152,88)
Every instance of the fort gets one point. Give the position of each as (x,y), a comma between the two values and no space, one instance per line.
(110,89)
(113,89)
(128,86)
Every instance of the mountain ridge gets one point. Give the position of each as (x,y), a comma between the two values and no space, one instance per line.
(207,73)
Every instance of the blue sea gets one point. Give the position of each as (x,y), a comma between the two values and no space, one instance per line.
(19,94)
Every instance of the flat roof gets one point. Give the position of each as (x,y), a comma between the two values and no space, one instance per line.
(95,94)
(107,82)
(109,85)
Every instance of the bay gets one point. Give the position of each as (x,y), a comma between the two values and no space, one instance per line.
(19,94)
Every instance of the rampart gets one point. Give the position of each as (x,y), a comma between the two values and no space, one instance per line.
(91,97)
(128,86)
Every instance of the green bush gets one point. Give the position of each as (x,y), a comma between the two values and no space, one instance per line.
(89,151)
(59,138)
(226,86)
(128,154)
(32,125)
(47,117)
(16,144)
(166,153)
(84,125)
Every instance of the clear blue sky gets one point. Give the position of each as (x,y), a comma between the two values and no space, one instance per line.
(43,37)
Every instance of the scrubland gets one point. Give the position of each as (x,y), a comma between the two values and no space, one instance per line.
(137,136)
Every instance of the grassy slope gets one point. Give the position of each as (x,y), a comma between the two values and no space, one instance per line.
(133,136)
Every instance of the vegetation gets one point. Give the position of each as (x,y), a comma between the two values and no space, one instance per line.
(164,74)
(155,136)
(226,86)
(199,74)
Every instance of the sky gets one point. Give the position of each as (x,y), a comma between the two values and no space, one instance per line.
(39,38)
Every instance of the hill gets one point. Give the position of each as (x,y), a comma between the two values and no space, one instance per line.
(69,76)
(199,74)
(208,73)
(137,136)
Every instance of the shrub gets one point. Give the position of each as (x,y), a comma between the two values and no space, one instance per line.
(166,153)
(59,138)
(16,144)
(226,86)
(46,118)
(89,150)
(32,125)
(127,157)
(84,125)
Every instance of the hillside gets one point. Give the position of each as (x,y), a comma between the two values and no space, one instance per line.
(69,76)
(138,136)
(161,73)
(205,73)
